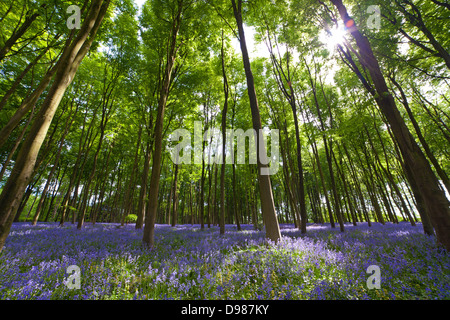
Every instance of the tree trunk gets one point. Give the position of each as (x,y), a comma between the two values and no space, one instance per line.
(224,128)
(143,191)
(27,104)
(18,33)
(266,196)
(322,179)
(340,171)
(202,189)
(422,140)
(70,120)
(101,196)
(128,201)
(106,111)
(418,22)
(357,185)
(327,146)
(16,145)
(150,217)
(17,81)
(175,197)
(290,96)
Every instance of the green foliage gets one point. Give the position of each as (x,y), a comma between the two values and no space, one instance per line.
(131,218)
(119,82)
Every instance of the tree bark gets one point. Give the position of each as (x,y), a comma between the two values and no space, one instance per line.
(150,217)
(27,104)
(327,146)
(18,33)
(417,21)
(266,196)
(143,191)
(17,81)
(53,170)
(128,201)
(290,96)
(106,111)
(224,128)
(175,197)
(425,146)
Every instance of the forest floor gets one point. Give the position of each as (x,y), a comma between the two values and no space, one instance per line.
(187,263)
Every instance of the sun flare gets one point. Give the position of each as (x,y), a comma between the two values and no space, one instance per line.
(332,38)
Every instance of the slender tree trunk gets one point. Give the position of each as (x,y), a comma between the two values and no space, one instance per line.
(23,202)
(429,153)
(101,196)
(55,188)
(235,200)
(74,181)
(143,191)
(175,197)
(53,170)
(327,146)
(128,201)
(224,128)
(436,118)
(106,110)
(30,101)
(149,229)
(16,145)
(417,21)
(210,171)
(393,184)
(191,210)
(290,96)
(322,179)
(18,33)
(295,212)
(266,196)
(202,189)
(357,185)
(340,170)
(212,197)
(27,104)
(24,72)
(216,201)
(301,188)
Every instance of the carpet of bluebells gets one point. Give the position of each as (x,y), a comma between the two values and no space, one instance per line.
(188,263)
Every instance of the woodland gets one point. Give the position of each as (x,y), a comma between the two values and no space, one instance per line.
(91,92)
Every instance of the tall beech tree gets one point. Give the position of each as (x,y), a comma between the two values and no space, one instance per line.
(172,48)
(224,142)
(265,187)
